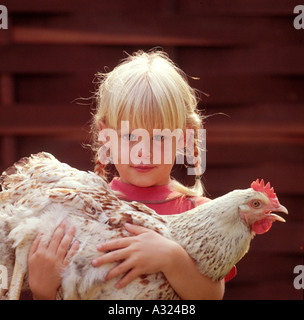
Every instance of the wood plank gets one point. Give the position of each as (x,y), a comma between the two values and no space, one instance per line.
(57,6)
(63,150)
(67,149)
(26,35)
(250,89)
(5,36)
(260,60)
(8,150)
(223,90)
(286,179)
(259,133)
(264,276)
(7,91)
(229,154)
(250,114)
(54,89)
(66,132)
(282,238)
(73,115)
(194,7)
(43,119)
(238,7)
(60,59)
(159,30)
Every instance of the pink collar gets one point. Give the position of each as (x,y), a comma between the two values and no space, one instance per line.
(135,193)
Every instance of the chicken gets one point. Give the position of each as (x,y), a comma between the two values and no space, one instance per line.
(39,192)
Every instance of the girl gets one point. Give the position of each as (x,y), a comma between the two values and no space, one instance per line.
(148,91)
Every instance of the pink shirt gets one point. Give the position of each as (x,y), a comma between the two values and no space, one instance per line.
(162,200)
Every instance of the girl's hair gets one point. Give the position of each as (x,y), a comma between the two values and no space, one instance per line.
(150,91)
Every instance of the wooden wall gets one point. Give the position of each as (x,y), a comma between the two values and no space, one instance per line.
(249,59)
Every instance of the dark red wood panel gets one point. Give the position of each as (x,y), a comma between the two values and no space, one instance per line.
(249,60)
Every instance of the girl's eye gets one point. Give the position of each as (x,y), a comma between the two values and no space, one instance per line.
(256,203)
(129,137)
(159,138)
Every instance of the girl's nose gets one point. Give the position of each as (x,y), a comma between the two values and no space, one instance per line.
(145,151)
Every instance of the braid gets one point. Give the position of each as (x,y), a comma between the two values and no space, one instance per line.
(197,155)
(102,158)
(99,169)
(197,165)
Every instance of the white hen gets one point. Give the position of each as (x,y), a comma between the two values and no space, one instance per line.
(39,192)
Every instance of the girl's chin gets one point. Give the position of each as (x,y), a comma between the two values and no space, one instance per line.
(142,180)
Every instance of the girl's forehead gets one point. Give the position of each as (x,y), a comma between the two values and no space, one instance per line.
(126,127)
(150,121)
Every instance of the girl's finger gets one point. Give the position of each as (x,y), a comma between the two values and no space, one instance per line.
(115,244)
(74,248)
(118,270)
(35,244)
(57,237)
(110,257)
(66,242)
(135,229)
(128,278)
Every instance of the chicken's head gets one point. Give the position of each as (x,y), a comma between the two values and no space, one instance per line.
(262,204)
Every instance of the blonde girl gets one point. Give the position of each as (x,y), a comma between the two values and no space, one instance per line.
(148,91)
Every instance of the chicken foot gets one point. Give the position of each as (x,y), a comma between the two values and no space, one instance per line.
(19,272)
(3,281)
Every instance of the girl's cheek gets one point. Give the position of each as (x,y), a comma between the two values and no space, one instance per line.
(157,153)
(164,153)
(124,152)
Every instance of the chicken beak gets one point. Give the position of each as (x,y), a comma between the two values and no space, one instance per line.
(274,217)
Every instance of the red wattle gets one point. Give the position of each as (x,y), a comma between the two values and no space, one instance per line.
(262,226)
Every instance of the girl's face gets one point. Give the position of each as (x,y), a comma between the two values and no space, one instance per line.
(143,158)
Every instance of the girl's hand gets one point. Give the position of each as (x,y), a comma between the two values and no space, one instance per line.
(145,253)
(46,261)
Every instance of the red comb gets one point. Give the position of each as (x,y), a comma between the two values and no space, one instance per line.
(261,187)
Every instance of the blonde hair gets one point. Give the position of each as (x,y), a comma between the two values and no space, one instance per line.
(149,91)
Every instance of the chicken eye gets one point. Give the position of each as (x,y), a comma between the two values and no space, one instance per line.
(256,203)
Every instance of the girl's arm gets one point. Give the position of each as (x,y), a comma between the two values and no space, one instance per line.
(188,282)
(148,252)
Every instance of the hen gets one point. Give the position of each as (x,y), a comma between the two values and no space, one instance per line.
(39,192)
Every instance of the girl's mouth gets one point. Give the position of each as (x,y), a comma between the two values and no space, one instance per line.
(143,168)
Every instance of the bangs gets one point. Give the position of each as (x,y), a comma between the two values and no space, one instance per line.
(146,104)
